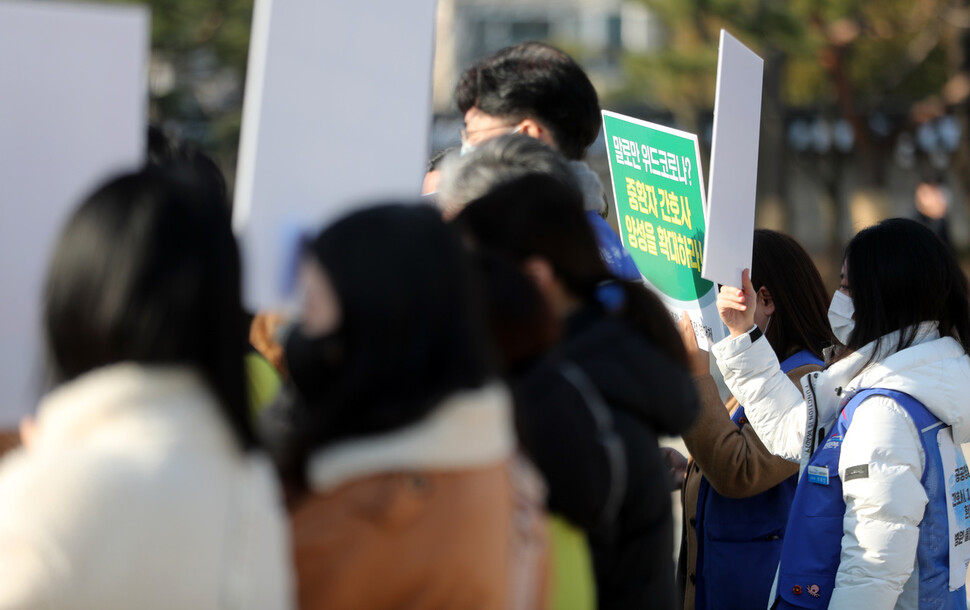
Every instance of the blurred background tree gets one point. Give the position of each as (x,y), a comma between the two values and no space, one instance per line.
(848,83)
(198,67)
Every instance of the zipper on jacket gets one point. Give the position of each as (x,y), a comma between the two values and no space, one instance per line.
(811,439)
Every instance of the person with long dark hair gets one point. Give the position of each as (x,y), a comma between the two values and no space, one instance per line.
(878,517)
(141,481)
(589,413)
(737,495)
(401,452)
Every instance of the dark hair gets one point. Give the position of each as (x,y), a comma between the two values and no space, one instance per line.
(534,80)
(800,320)
(521,323)
(411,328)
(540,216)
(147,271)
(902,274)
(187,161)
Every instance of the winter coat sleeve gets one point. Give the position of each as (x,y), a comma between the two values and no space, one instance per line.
(733,459)
(883,510)
(773,404)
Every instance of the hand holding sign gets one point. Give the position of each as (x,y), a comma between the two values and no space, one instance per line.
(736,306)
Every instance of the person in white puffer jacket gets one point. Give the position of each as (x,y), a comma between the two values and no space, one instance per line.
(880,514)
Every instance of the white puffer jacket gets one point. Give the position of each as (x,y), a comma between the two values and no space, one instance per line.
(880,530)
(134,494)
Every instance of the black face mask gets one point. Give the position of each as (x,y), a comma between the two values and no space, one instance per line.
(315,363)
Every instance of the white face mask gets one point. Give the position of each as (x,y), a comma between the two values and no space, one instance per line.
(840,316)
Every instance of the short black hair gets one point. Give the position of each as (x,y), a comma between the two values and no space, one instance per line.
(147,271)
(901,274)
(535,80)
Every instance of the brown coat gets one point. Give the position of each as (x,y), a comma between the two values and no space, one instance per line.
(421,540)
(441,514)
(734,460)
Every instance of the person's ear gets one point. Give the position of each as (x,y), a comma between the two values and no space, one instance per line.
(539,270)
(535,129)
(765,301)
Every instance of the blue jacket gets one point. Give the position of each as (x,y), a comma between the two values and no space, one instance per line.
(745,533)
(618,260)
(811,551)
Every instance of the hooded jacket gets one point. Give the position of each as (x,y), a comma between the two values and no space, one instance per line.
(589,416)
(884,509)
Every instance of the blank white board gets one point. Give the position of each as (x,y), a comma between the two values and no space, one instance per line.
(73,104)
(734,163)
(336,115)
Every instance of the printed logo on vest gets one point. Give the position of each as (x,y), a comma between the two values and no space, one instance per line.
(857,472)
(818,475)
(833,442)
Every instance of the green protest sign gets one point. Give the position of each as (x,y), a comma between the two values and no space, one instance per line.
(660,204)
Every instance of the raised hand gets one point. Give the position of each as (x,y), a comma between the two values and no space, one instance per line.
(736,306)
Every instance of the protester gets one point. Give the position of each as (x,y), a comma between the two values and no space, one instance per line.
(590,412)
(140,483)
(539,91)
(869,520)
(737,495)
(401,445)
(931,204)
(523,330)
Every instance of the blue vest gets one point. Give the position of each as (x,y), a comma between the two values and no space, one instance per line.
(739,539)
(810,554)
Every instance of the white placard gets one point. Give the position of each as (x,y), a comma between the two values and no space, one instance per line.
(337,114)
(734,163)
(72,112)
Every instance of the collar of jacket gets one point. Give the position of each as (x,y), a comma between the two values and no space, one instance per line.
(467,430)
(594,198)
(155,404)
(907,370)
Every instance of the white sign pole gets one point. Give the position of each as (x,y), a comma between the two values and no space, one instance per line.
(72,112)
(734,163)
(336,115)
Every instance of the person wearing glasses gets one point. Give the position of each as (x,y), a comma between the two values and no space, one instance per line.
(541,92)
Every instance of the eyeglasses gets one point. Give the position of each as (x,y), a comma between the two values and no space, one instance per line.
(465,133)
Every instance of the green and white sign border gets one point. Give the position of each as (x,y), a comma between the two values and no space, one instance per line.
(702,311)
